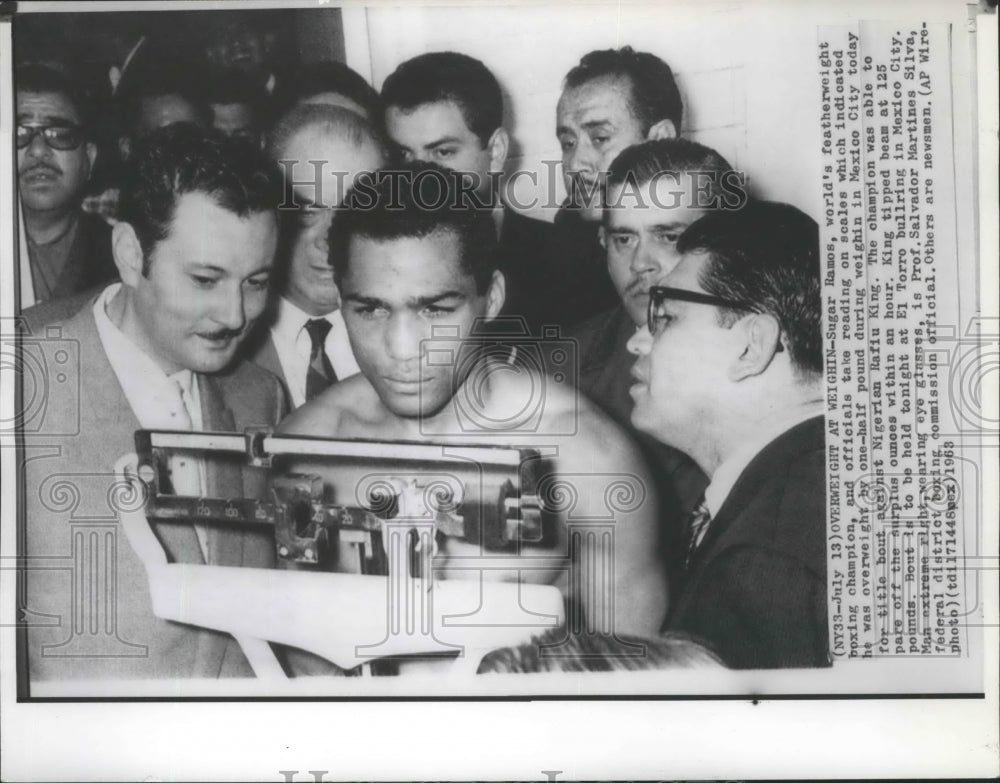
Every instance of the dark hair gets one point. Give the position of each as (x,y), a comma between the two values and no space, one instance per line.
(654,96)
(183,158)
(44,78)
(641,163)
(448,76)
(416,200)
(331,76)
(153,79)
(334,120)
(228,85)
(766,255)
(556,650)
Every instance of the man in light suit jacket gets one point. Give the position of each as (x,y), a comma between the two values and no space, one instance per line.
(320,151)
(730,371)
(195,250)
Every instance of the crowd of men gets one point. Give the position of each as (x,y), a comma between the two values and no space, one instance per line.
(250,266)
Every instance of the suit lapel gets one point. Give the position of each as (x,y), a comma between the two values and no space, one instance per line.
(265,355)
(107,410)
(747,486)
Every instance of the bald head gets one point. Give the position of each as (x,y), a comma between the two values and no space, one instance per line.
(321,150)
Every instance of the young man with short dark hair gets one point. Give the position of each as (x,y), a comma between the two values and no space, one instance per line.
(447,108)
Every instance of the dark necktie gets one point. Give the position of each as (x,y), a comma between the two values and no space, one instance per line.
(698,522)
(320,373)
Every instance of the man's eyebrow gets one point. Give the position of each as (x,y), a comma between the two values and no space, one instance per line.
(203,267)
(423,301)
(443,140)
(621,230)
(365,300)
(48,119)
(669,226)
(562,130)
(597,124)
(198,266)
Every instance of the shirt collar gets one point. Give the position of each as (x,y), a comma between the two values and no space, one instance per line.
(292,319)
(150,392)
(727,474)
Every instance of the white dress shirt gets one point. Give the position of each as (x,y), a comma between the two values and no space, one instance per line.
(293,345)
(727,474)
(156,399)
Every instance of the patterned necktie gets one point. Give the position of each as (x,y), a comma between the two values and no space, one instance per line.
(698,522)
(320,373)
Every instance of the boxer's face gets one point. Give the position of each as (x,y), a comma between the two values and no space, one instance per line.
(408,303)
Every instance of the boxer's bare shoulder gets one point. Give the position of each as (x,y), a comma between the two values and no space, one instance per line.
(341,411)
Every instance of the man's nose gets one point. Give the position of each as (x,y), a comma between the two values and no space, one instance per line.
(321,239)
(640,343)
(644,260)
(403,337)
(582,158)
(39,148)
(230,311)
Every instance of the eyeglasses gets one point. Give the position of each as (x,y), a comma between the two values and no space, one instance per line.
(656,317)
(57,137)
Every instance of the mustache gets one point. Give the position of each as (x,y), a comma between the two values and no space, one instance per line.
(222,334)
(42,166)
(640,285)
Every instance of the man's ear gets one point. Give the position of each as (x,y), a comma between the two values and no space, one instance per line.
(498,146)
(664,129)
(495,295)
(602,236)
(127,251)
(761,342)
(124,147)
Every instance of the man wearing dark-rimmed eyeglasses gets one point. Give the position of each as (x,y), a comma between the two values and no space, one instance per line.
(729,370)
(63,251)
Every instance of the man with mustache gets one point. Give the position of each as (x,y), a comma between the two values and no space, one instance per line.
(320,151)
(612,99)
(655,190)
(418,273)
(64,250)
(194,248)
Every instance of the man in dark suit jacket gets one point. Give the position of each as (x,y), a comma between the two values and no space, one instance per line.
(447,108)
(155,351)
(611,100)
(655,190)
(64,249)
(303,339)
(730,371)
